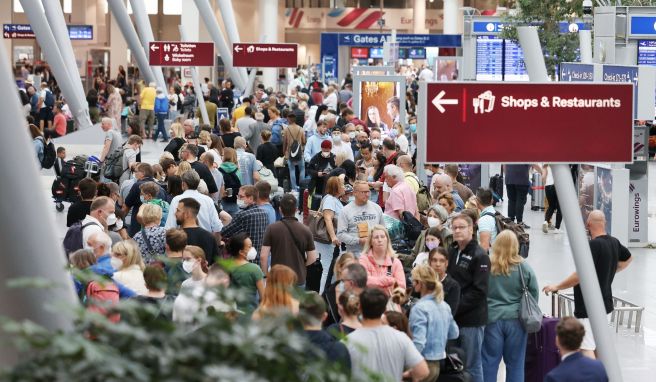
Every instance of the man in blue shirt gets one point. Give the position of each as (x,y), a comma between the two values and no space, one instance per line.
(263,193)
(313,145)
(487,224)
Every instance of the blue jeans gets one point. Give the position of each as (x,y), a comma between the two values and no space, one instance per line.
(471,340)
(292,173)
(160,126)
(507,339)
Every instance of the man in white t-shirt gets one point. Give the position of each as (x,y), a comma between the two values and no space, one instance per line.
(381,349)
(426,74)
(487,224)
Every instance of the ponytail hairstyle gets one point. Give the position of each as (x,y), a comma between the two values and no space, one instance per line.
(427,276)
(199,254)
(350,303)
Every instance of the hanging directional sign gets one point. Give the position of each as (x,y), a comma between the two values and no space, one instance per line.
(176,53)
(222,113)
(24,31)
(526,123)
(247,55)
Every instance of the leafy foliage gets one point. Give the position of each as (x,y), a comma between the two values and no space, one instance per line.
(146,346)
(546,16)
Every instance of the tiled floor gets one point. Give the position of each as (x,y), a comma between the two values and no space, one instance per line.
(550,257)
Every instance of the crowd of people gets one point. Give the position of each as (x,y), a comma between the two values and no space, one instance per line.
(239,189)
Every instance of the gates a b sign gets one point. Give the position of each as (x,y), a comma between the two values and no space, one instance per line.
(526,122)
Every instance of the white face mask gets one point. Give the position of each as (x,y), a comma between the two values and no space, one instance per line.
(351,135)
(375,142)
(116,263)
(337,138)
(111,220)
(325,154)
(252,254)
(433,222)
(429,173)
(188,265)
(241,203)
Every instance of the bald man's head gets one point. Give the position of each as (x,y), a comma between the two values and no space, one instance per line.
(443,183)
(596,223)
(405,162)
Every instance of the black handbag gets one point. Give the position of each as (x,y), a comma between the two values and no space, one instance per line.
(313,271)
(453,369)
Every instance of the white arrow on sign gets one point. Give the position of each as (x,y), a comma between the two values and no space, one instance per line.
(238,49)
(438,101)
(154,47)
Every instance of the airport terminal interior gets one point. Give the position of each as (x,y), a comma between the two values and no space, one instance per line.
(417,52)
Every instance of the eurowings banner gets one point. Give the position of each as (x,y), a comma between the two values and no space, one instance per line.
(357,18)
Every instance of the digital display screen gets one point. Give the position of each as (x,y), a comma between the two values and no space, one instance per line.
(376,53)
(499,60)
(647,52)
(360,52)
(489,58)
(403,53)
(80,32)
(417,53)
(514,68)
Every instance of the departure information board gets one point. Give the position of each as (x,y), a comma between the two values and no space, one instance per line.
(499,60)
(514,67)
(647,52)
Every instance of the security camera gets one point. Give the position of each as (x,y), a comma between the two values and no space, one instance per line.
(587,7)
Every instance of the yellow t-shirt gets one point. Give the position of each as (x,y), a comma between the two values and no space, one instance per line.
(239,112)
(147,98)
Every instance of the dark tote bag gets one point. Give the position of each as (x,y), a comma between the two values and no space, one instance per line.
(313,271)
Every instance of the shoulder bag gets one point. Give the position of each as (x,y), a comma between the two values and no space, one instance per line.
(314,270)
(530,315)
(317,225)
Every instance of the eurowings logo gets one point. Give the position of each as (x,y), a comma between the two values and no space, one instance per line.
(347,18)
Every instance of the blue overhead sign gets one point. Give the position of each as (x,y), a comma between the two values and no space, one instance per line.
(488,27)
(643,25)
(414,40)
(576,72)
(75,32)
(618,73)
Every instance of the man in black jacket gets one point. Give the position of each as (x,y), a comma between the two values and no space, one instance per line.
(190,154)
(469,265)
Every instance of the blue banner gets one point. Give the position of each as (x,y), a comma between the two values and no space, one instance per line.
(576,72)
(414,40)
(617,73)
(75,32)
(643,25)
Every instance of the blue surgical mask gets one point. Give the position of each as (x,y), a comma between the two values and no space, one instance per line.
(143,200)
(413,128)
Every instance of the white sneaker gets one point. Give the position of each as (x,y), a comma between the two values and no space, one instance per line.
(557,230)
(545,227)
(552,227)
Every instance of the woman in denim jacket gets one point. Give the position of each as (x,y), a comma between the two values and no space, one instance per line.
(431,320)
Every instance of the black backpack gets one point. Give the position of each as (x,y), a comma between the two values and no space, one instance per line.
(49,100)
(113,165)
(73,238)
(503,223)
(295,150)
(413,227)
(49,154)
(231,181)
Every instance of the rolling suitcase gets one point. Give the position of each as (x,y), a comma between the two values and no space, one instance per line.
(542,355)
(537,192)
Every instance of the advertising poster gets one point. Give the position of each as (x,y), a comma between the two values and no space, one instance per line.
(380,104)
(638,186)
(604,199)
(447,70)
(586,188)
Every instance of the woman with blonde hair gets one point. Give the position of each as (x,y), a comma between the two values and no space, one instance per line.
(446,200)
(400,139)
(183,167)
(278,293)
(384,270)
(431,321)
(130,271)
(177,140)
(151,239)
(195,264)
(504,335)
(204,140)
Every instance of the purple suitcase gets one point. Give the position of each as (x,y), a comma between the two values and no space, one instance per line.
(541,352)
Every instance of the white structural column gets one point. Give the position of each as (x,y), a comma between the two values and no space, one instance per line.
(196,80)
(146,34)
(269,29)
(451,17)
(419,17)
(119,46)
(46,40)
(55,16)
(207,15)
(120,16)
(22,255)
(230,24)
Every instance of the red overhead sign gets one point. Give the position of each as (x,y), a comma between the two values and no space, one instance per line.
(527,122)
(249,55)
(177,53)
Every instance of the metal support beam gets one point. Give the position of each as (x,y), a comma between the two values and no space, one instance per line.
(55,16)
(145,31)
(207,14)
(196,80)
(48,44)
(120,14)
(229,21)
(23,250)
(537,70)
